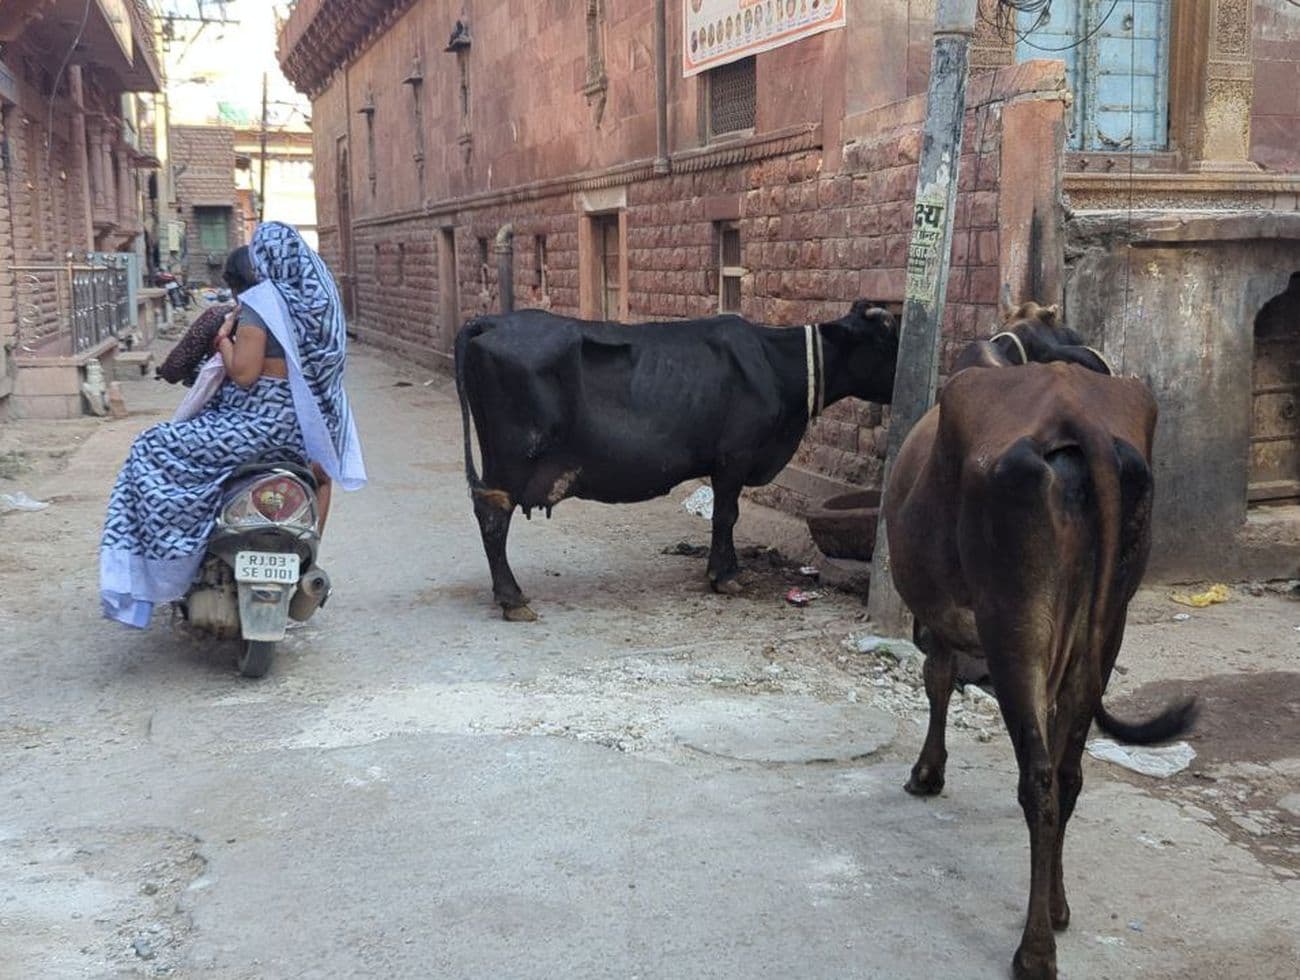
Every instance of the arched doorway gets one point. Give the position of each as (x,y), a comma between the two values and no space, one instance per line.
(1275,408)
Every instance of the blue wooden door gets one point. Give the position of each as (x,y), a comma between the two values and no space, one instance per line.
(1116,55)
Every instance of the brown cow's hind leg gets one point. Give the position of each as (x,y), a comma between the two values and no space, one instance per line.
(1021,695)
(940,670)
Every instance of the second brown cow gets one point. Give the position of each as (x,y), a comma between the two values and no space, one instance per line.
(1018,515)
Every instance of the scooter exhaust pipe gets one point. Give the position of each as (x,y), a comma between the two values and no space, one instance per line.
(313,590)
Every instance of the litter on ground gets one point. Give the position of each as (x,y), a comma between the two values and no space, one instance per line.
(798,597)
(1215,593)
(1160,761)
(700,503)
(20,501)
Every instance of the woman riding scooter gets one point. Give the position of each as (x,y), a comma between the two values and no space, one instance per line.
(284,389)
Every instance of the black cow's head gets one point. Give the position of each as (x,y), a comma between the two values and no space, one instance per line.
(1031,333)
(1046,338)
(865,346)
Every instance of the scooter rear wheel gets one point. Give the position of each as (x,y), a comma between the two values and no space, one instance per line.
(255,657)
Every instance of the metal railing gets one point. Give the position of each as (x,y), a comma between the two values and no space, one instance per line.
(87,303)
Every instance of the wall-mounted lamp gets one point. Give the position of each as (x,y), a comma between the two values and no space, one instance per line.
(459,37)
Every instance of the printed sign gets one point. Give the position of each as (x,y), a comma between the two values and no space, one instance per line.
(721,31)
(923,251)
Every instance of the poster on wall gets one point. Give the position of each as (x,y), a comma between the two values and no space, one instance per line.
(721,31)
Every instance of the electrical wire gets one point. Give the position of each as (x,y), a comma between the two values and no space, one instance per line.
(1005,22)
(54,88)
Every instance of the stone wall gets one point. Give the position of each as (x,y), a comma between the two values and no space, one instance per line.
(1172,298)
(1275,110)
(813,240)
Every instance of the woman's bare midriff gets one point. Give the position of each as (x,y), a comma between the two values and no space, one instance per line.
(274,367)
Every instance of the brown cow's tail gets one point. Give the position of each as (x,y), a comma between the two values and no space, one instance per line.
(1170,723)
(1103,465)
(468,332)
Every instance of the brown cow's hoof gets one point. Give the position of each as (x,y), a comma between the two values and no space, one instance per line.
(1027,966)
(518,614)
(728,586)
(925,782)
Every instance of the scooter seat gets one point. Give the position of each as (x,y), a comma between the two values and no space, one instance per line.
(288,460)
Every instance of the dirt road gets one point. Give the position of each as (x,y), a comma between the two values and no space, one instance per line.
(652,781)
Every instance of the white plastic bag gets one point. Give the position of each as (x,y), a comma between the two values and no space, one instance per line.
(211,376)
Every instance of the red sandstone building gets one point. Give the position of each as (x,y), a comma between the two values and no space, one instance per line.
(72,176)
(642,160)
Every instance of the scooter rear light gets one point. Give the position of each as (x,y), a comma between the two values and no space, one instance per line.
(277,499)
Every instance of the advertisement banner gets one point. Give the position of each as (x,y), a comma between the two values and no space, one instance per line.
(721,31)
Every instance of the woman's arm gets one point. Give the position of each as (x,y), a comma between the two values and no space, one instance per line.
(244,356)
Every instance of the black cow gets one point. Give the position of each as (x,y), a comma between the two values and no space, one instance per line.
(621,413)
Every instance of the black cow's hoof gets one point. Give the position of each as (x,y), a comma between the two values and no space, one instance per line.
(1026,966)
(728,586)
(518,614)
(925,782)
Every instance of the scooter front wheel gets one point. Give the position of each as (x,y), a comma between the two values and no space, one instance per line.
(255,658)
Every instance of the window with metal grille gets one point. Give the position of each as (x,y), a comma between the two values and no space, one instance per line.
(483,264)
(214,229)
(1116,55)
(730,270)
(732,98)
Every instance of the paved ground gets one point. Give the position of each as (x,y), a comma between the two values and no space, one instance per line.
(650,782)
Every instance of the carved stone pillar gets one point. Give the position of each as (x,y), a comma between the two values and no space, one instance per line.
(127,218)
(94,153)
(80,161)
(107,137)
(1221,140)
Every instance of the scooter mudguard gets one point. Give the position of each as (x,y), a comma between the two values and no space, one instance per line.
(264,610)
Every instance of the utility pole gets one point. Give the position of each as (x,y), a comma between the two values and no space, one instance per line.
(261,190)
(917,375)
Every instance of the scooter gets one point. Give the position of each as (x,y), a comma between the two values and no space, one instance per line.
(260,568)
(178,294)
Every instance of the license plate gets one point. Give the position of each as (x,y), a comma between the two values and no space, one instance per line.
(266,566)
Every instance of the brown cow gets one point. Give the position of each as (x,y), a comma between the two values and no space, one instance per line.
(1018,515)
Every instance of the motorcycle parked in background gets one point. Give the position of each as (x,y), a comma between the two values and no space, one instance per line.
(260,569)
(178,294)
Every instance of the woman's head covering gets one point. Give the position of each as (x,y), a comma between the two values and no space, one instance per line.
(315,313)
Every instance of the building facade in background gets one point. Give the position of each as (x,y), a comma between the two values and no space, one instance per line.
(226,100)
(73,177)
(1133,159)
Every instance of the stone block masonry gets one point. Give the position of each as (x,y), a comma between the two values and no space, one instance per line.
(812,241)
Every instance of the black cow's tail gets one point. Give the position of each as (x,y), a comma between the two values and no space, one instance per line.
(468,332)
(1170,723)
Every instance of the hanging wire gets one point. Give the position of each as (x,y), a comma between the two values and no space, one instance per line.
(1128,244)
(1005,22)
(58,80)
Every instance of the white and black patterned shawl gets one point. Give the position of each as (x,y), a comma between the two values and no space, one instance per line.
(306,306)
